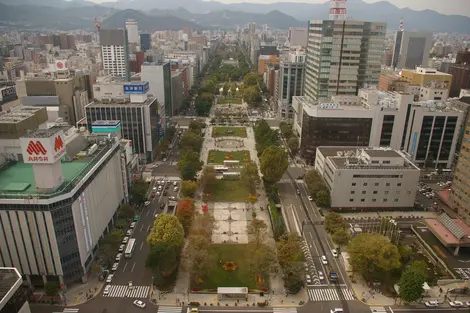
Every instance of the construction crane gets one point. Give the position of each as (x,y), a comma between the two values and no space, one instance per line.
(97,25)
(98,20)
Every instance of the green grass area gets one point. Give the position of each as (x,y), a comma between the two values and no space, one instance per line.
(227,131)
(229,100)
(218,157)
(229,191)
(240,277)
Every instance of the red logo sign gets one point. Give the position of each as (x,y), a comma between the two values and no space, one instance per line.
(36,148)
(58,144)
(60,65)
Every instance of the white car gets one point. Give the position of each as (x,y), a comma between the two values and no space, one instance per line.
(338,310)
(456,304)
(175,189)
(175,183)
(324,261)
(121,248)
(156,215)
(146,203)
(432,304)
(320,275)
(115,266)
(109,278)
(173,198)
(132,225)
(334,253)
(125,240)
(118,257)
(129,232)
(139,304)
(164,159)
(308,279)
(310,198)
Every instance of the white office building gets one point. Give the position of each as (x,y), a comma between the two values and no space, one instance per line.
(132,31)
(114,52)
(368,178)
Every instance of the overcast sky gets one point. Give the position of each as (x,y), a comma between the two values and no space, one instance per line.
(461,7)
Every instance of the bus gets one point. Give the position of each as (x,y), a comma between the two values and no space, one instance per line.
(220,169)
(231,175)
(130,248)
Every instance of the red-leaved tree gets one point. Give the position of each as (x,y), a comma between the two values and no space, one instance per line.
(185,213)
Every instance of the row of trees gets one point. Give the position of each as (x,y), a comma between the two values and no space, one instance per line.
(337,227)
(291,139)
(290,257)
(251,92)
(190,147)
(317,188)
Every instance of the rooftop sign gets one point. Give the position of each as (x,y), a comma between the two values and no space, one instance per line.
(136,88)
(47,150)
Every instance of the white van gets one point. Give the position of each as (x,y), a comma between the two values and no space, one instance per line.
(106,290)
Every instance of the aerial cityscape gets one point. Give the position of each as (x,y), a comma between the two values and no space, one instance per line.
(193,156)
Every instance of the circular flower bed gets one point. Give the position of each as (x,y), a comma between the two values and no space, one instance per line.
(230,266)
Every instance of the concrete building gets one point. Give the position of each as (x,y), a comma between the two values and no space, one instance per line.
(68,187)
(342,57)
(158,75)
(145,42)
(428,130)
(411,49)
(298,36)
(14,295)
(460,72)
(367,178)
(423,76)
(177,94)
(115,52)
(132,31)
(290,82)
(392,82)
(138,115)
(264,61)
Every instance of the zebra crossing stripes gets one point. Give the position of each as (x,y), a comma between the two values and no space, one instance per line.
(170,309)
(70,310)
(123,291)
(378,309)
(284,310)
(329,294)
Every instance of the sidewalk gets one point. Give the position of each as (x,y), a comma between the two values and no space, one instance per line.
(81,293)
(392,215)
(370,297)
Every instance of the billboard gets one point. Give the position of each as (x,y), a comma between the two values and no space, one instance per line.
(61,65)
(136,89)
(43,150)
(8,94)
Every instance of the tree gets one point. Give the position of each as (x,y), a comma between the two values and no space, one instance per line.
(113,238)
(208,179)
(251,95)
(322,198)
(250,177)
(166,229)
(293,144)
(163,258)
(138,191)
(185,213)
(429,162)
(262,261)
(257,230)
(274,164)
(289,251)
(334,221)
(189,164)
(188,188)
(51,289)
(341,237)
(251,79)
(126,211)
(293,283)
(286,130)
(191,141)
(411,283)
(373,256)
(314,182)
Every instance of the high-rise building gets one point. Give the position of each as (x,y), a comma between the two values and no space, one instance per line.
(460,72)
(114,52)
(298,36)
(132,31)
(411,49)
(342,57)
(145,42)
(290,82)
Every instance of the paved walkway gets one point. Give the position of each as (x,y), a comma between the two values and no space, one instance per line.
(80,293)
(392,215)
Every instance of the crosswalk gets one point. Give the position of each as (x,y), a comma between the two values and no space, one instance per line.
(284,310)
(329,294)
(170,309)
(70,310)
(378,309)
(123,291)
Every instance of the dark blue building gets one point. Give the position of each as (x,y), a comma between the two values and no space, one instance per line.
(144,42)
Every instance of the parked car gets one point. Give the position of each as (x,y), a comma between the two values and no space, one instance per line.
(146,203)
(118,257)
(109,278)
(308,279)
(129,232)
(431,304)
(125,240)
(132,225)
(115,266)
(456,304)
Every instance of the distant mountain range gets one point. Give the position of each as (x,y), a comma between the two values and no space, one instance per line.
(174,14)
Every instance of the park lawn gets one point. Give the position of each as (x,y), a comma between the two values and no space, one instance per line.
(229,100)
(218,157)
(227,131)
(229,191)
(241,277)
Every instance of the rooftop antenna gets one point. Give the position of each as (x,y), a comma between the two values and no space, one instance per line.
(338,10)
(401,24)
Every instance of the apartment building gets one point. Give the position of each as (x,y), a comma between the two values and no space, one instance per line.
(158,75)
(411,49)
(367,178)
(115,52)
(290,82)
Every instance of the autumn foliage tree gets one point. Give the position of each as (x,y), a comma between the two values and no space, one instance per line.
(185,213)
(166,229)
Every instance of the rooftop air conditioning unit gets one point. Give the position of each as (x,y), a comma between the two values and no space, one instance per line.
(120,100)
(106,100)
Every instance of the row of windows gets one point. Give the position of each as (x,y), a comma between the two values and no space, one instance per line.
(375,200)
(386,192)
(376,184)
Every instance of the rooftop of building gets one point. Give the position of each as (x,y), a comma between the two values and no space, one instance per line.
(17,178)
(10,281)
(107,122)
(426,71)
(19,115)
(120,102)
(366,158)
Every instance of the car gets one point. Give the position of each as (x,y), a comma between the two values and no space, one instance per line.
(162,206)
(139,304)
(106,290)
(121,248)
(308,279)
(129,232)
(153,195)
(156,215)
(146,203)
(324,261)
(192,310)
(175,183)
(154,189)
(132,225)
(136,218)
(431,304)
(175,189)
(118,257)
(164,159)
(456,304)
(125,240)
(173,198)
(337,310)
(158,193)
(298,191)
(109,278)
(115,266)
(310,198)
(160,188)
(129,285)
(320,275)
(334,253)
(306,266)
(167,186)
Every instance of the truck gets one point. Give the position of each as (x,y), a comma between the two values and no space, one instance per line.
(333,276)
